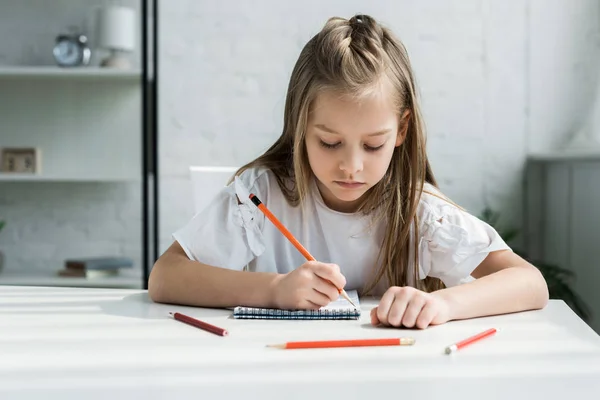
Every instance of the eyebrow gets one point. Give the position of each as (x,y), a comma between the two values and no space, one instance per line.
(329,130)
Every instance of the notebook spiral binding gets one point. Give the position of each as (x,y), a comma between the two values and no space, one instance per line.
(267,313)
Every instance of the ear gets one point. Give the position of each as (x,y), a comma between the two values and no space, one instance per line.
(403,128)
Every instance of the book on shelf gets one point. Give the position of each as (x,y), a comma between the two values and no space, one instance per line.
(99,263)
(90,274)
(95,267)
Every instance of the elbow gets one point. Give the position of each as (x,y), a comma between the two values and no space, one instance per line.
(156,290)
(545,297)
(541,289)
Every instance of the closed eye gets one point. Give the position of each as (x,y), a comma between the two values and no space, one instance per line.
(330,145)
(369,148)
(336,145)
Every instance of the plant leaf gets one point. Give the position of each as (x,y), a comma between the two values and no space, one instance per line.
(554,271)
(489,216)
(509,235)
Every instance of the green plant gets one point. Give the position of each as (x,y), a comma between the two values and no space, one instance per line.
(557,278)
(2,223)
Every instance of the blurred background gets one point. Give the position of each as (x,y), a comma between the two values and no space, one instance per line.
(105,106)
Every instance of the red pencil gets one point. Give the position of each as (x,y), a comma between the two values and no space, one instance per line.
(199,324)
(319,344)
(457,346)
(291,238)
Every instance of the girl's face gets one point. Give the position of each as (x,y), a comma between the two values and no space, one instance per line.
(350,143)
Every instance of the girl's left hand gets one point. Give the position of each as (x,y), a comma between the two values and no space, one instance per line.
(409,307)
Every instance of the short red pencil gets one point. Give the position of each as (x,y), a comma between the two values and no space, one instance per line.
(457,346)
(199,324)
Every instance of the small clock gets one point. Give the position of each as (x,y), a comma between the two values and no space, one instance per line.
(71,50)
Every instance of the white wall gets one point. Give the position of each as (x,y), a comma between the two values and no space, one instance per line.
(564,66)
(497,78)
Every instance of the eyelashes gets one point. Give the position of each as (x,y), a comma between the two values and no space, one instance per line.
(329,145)
(332,146)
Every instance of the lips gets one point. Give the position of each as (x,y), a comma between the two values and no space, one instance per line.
(349,184)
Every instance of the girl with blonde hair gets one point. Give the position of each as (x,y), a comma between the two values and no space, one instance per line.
(350,178)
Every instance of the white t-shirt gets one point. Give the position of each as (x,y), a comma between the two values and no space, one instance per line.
(226,234)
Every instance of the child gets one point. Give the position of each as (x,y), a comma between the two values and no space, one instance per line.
(349,177)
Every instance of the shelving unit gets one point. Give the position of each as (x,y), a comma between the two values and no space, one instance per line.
(52,72)
(94,127)
(87,124)
(16,177)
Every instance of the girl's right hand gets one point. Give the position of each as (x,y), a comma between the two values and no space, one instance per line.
(311,286)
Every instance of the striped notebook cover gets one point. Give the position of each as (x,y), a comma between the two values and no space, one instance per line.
(339,309)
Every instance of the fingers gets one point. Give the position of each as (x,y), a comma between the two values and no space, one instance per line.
(427,315)
(374,319)
(310,305)
(326,289)
(329,272)
(385,305)
(318,298)
(413,310)
(307,289)
(402,306)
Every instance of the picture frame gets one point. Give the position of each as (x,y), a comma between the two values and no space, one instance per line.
(20,160)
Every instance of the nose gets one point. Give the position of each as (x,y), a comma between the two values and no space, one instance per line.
(351,162)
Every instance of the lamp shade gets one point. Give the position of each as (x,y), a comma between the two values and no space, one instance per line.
(115,28)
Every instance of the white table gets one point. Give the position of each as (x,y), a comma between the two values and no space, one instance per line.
(83,343)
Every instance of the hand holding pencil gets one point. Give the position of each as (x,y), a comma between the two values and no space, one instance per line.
(310,286)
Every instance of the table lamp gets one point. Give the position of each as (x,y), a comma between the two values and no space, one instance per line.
(115,30)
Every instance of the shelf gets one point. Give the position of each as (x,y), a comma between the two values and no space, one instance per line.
(15,177)
(124,281)
(85,73)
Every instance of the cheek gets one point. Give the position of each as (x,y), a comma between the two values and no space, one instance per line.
(381,162)
(316,157)
(312,151)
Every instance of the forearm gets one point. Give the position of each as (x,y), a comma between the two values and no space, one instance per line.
(508,290)
(177,280)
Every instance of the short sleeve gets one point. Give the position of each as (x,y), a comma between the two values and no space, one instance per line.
(226,233)
(452,242)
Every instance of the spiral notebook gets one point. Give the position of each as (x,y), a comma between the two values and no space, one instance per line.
(339,309)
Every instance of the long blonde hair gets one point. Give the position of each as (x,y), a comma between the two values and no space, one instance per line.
(352,56)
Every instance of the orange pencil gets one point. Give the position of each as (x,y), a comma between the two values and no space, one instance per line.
(320,344)
(457,346)
(291,238)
